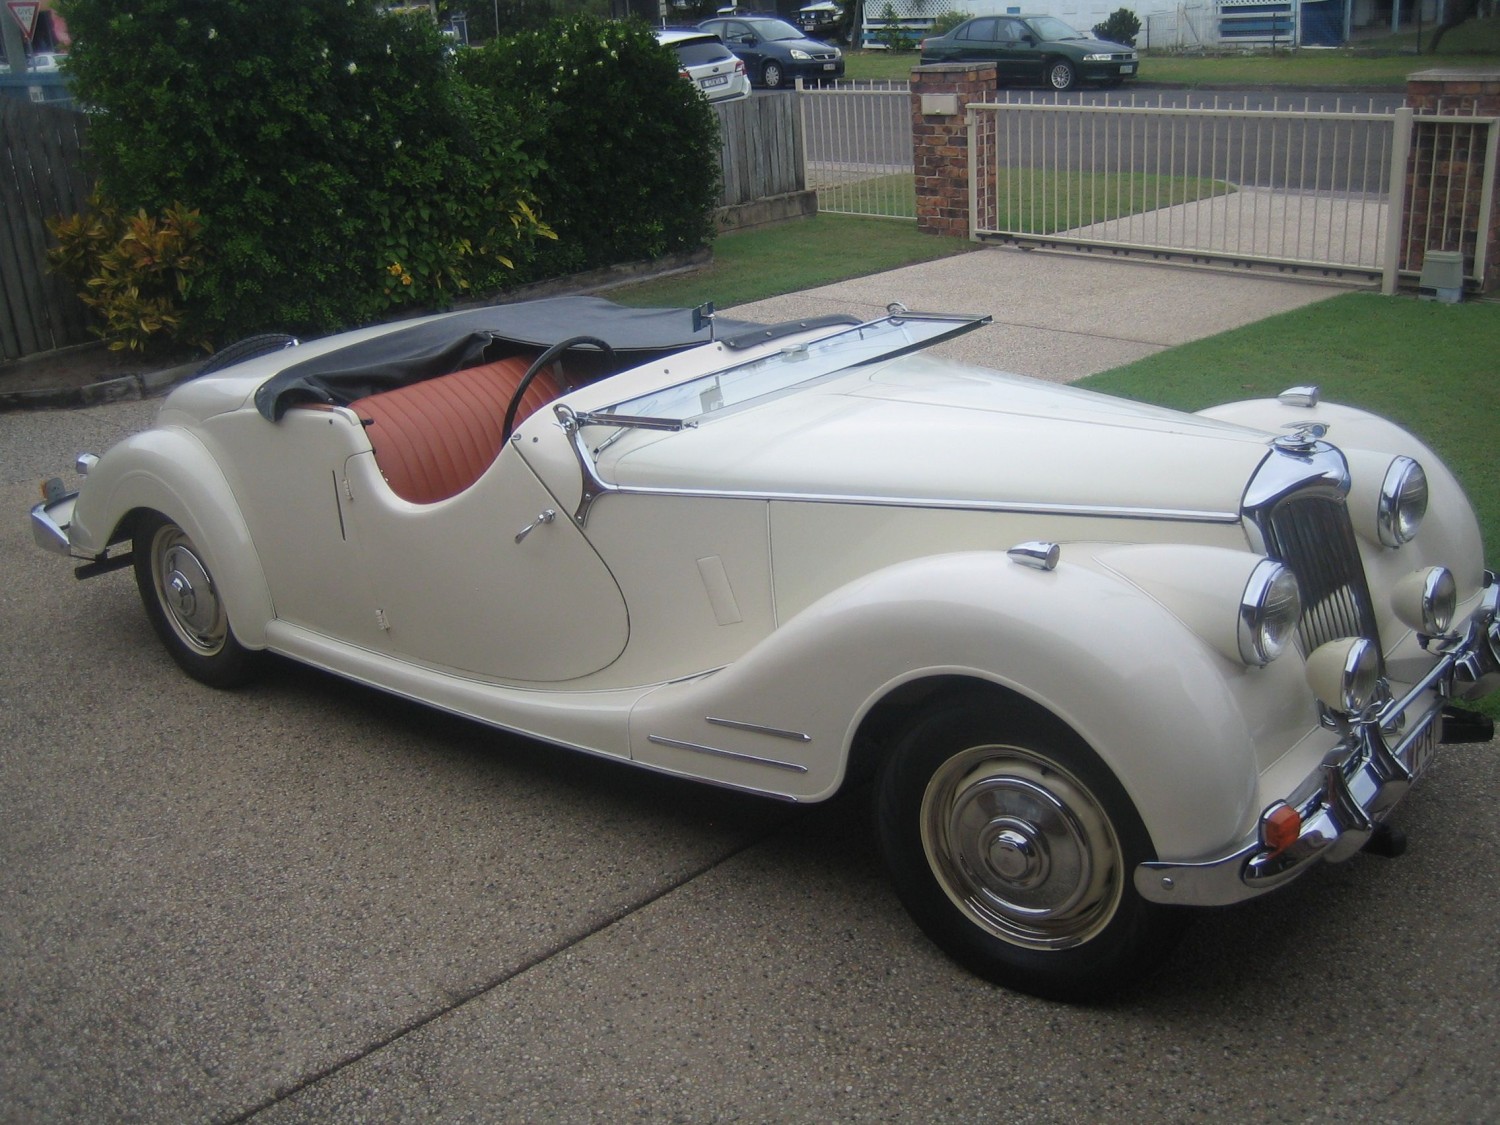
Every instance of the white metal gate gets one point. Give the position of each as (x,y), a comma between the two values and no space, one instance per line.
(1356,192)
(857,148)
(1299,190)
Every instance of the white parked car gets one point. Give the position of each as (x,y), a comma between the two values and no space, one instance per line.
(1101,660)
(708,64)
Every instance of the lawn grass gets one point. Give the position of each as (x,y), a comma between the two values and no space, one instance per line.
(1382,62)
(1056,201)
(1429,366)
(788,257)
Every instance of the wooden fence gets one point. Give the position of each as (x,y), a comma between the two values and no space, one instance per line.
(762,154)
(41,175)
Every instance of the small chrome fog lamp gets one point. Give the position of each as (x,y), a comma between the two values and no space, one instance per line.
(1270,609)
(1403,502)
(1345,674)
(1425,600)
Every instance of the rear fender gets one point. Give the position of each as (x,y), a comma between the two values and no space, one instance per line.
(1151,698)
(167,470)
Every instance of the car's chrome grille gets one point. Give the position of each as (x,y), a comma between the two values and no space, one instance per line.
(1312,534)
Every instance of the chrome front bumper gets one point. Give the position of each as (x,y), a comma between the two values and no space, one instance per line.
(1353,789)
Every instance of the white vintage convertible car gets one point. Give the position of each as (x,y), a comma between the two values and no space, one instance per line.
(1101,660)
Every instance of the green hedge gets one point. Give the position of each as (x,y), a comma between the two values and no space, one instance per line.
(345,166)
(628,152)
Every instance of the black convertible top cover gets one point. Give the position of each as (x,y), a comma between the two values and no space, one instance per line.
(451,343)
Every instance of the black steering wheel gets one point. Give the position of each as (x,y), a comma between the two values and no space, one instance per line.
(540,362)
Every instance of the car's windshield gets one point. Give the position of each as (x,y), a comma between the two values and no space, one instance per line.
(1051,30)
(772,30)
(800,363)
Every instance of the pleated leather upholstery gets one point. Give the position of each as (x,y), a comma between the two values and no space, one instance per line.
(435,438)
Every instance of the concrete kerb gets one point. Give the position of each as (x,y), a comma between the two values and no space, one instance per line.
(121,388)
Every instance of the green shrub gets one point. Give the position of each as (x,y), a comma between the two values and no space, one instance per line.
(948,21)
(323,143)
(1121,27)
(891,35)
(628,152)
(136,271)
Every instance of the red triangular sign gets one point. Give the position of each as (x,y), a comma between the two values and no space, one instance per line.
(25,14)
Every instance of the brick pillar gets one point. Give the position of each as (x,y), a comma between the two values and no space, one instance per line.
(940,97)
(1446,169)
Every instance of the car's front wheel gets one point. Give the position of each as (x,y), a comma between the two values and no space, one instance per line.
(1013,847)
(1061,74)
(183,604)
(772,76)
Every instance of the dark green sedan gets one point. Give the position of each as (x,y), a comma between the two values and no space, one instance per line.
(1034,49)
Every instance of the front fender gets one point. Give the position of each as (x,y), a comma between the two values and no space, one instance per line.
(1153,700)
(168,470)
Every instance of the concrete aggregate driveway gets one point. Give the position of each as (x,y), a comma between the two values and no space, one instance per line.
(309,902)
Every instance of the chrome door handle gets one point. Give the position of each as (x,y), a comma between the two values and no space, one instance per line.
(546,517)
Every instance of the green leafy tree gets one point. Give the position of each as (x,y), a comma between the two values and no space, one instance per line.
(891,35)
(628,151)
(1122,27)
(339,163)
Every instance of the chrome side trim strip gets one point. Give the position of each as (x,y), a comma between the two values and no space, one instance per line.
(756,728)
(594,486)
(677,744)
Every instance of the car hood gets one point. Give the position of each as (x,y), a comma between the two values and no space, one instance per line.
(1093,46)
(921,429)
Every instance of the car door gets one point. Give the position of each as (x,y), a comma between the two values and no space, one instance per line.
(1020,57)
(740,39)
(977,42)
(493,581)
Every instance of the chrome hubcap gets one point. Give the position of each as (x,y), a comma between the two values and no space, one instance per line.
(187,592)
(1021,847)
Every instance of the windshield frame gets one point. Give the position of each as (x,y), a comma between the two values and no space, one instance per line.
(734,386)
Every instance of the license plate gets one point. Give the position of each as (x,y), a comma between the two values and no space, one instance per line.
(708,83)
(1422,750)
(1128,68)
(829,66)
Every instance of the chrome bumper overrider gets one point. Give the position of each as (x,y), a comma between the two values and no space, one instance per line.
(49,524)
(1356,785)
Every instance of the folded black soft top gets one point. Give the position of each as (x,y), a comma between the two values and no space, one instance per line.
(431,348)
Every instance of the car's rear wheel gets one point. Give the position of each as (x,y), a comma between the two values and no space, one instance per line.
(1013,847)
(772,76)
(183,604)
(1061,74)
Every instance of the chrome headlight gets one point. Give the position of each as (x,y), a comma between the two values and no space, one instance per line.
(1403,502)
(1270,609)
(1425,600)
(1096,57)
(1345,674)
(800,55)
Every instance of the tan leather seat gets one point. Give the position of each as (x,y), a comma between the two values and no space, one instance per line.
(435,438)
